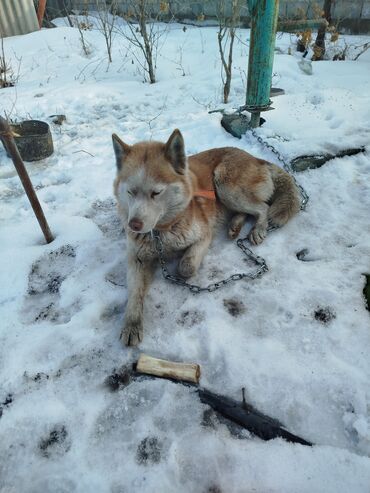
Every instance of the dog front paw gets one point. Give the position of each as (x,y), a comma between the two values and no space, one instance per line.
(132,332)
(187,268)
(257,235)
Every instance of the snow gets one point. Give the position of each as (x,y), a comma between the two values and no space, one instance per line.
(62,304)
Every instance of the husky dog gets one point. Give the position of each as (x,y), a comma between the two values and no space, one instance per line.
(158,188)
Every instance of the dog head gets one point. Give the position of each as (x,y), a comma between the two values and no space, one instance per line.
(153,185)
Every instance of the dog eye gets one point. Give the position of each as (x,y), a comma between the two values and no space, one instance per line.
(154,194)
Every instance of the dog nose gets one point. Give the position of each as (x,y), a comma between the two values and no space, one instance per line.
(135,224)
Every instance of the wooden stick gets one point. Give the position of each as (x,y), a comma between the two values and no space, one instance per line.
(188,372)
(7,138)
(241,413)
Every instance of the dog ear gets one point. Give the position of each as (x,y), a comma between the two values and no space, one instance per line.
(175,151)
(121,150)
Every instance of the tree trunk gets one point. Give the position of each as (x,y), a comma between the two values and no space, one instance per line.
(147,44)
(319,46)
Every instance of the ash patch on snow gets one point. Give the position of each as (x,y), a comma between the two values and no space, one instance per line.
(214,489)
(234,307)
(189,318)
(6,403)
(56,444)
(324,315)
(38,377)
(149,451)
(118,379)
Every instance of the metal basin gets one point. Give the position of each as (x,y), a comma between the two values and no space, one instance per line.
(33,139)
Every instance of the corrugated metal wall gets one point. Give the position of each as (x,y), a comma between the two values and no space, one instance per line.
(17,17)
(349,9)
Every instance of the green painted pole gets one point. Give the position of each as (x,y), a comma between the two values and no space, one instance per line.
(264,15)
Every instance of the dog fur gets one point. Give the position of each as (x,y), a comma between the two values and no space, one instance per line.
(156,188)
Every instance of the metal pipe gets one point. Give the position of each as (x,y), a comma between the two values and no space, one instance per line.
(7,138)
(255,120)
(264,16)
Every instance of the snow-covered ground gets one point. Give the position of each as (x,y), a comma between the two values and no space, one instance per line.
(62,429)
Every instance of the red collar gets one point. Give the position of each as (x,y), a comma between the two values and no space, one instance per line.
(207,194)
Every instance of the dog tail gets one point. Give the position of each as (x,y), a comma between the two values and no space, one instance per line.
(285,201)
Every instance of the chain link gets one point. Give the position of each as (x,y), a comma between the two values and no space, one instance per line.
(259,261)
(286,165)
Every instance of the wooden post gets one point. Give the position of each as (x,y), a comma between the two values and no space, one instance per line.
(319,46)
(7,138)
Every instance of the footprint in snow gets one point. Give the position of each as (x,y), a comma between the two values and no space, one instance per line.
(105,216)
(44,281)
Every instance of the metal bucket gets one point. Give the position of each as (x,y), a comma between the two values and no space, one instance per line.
(33,139)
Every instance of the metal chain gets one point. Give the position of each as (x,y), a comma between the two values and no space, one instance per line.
(286,165)
(262,268)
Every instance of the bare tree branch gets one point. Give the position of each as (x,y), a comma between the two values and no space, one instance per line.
(106,18)
(226,37)
(365,47)
(144,33)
